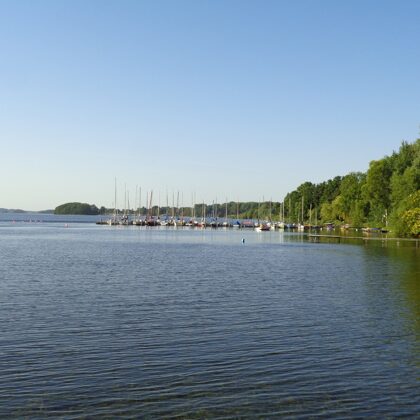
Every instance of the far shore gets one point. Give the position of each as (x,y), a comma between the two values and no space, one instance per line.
(2,210)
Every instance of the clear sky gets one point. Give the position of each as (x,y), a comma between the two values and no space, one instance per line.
(237,99)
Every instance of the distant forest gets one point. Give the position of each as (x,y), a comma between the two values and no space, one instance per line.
(77,208)
(387,195)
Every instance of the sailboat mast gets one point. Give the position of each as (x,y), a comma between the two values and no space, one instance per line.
(182,208)
(151,208)
(158,215)
(140,211)
(136,201)
(192,208)
(173,205)
(115,199)
(310,214)
(290,210)
(302,210)
(125,199)
(177,205)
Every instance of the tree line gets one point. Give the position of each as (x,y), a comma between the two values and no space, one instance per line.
(388,194)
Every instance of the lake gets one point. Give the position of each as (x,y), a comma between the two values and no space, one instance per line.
(135,322)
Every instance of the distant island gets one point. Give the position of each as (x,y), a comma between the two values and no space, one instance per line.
(77,208)
(12,211)
(3,210)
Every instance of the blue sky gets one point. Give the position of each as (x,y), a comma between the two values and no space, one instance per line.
(236,99)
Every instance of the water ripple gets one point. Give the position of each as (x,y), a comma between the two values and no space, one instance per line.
(129,323)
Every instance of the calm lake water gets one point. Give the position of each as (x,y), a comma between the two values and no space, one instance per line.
(99,321)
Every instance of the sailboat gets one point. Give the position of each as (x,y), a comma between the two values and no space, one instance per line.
(203,222)
(281,224)
(301,226)
(226,224)
(259,225)
(150,221)
(237,224)
(263,227)
(114,220)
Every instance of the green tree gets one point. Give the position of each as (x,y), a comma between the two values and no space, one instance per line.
(402,185)
(77,208)
(338,208)
(377,189)
(377,196)
(327,213)
(408,220)
(404,158)
(351,198)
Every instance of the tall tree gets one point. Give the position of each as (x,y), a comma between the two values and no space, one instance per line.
(351,197)
(377,189)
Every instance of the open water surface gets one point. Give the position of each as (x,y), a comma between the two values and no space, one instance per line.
(105,322)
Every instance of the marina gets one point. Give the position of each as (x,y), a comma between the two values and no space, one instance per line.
(193,223)
(365,239)
(311,233)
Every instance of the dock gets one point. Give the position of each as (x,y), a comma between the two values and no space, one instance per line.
(341,238)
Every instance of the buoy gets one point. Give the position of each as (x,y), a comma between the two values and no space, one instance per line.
(243,240)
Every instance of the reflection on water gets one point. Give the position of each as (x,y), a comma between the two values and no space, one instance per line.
(404,271)
(136,322)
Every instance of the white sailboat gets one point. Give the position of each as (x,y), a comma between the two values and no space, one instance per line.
(114,219)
